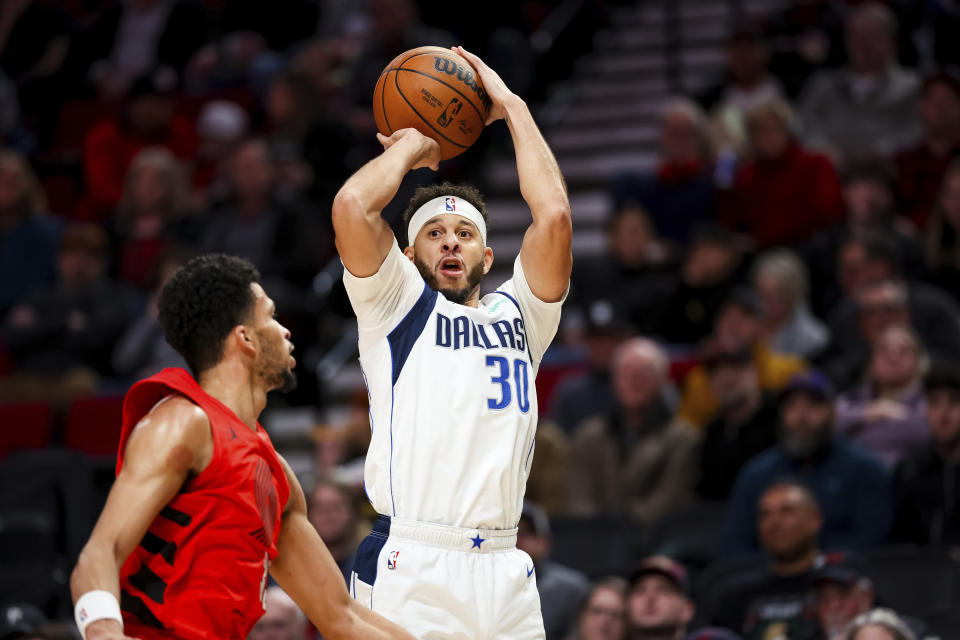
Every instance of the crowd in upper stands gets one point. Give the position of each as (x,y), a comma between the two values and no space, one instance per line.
(769,345)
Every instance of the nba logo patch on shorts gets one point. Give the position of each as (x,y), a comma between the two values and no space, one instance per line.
(392,560)
(450,203)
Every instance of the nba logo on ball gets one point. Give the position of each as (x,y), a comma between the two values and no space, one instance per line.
(450,203)
(392,560)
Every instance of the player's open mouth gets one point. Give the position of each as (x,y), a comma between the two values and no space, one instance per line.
(451,267)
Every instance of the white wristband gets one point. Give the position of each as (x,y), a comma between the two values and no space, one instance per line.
(96,605)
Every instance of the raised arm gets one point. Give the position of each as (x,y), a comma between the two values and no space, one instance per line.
(171,441)
(363,237)
(308,573)
(545,253)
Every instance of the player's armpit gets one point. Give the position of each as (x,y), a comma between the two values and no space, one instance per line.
(169,443)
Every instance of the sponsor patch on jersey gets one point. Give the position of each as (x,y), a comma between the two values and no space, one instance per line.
(450,203)
(392,560)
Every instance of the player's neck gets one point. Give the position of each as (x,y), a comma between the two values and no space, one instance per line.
(236,387)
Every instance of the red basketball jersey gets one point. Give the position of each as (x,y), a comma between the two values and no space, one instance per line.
(201,569)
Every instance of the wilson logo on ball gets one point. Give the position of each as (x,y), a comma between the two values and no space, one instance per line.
(451,68)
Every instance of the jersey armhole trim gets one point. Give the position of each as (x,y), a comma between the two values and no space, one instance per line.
(520,311)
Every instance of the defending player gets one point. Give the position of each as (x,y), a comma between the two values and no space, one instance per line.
(451,382)
(203,506)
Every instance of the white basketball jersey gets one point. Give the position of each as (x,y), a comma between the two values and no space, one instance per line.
(453,405)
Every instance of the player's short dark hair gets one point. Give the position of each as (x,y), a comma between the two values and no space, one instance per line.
(424,195)
(203,301)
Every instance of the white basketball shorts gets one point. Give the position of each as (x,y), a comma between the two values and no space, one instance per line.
(448,583)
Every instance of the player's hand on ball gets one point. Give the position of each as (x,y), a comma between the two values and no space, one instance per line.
(494,85)
(106,630)
(428,151)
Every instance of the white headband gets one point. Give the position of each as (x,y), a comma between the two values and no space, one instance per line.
(445,205)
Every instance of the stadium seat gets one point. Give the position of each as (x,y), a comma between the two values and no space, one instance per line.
(597,547)
(93,425)
(24,426)
(919,581)
(690,535)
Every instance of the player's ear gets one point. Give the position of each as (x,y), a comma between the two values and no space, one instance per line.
(409,252)
(245,339)
(487,260)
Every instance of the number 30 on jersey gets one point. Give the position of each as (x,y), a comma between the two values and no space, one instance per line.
(519,388)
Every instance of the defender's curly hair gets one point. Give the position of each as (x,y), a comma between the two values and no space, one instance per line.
(203,301)
(424,195)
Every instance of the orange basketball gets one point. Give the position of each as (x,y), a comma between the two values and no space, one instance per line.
(435,91)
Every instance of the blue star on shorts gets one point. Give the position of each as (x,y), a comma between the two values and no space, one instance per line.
(477,541)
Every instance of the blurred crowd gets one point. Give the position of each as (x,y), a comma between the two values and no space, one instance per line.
(768,348)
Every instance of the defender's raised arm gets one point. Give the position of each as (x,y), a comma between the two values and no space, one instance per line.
(363,237)
(545,253)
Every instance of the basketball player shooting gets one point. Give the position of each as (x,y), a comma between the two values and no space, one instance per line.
(203,506)
(450,375)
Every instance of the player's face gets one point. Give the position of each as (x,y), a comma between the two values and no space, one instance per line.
(450,255)
(275,362)
(655,603)
(604,617)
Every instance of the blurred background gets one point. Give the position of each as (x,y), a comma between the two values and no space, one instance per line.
(754,382)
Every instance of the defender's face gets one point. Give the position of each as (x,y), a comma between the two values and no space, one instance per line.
(274,360)
(450,255)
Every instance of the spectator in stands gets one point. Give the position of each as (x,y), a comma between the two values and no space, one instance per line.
(774,602)
(943,234)
(927,511)
(745,425)
(869,194)
(880,624)
(333,515)
(278,233)
(282,618)
(737,325)
(713,265)
(922,167)
(635,460)
(152,216)
(61,336)
(221,126)
(784,194)
(129,39)
(547,480)
(147,120)
(20,621)
(877,294)
(780,280)
(582,396)
(629,276)
(603,615)
(143,350)
(28,238)
(805,36)
(852,487)
(659,603)
(747,84)
(679,194)
(887,415)
(562,590)
(868,107)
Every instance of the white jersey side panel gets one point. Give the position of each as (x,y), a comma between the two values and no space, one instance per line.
(453,399)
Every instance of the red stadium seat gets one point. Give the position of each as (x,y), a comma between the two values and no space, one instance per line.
(27,425)
(93,425)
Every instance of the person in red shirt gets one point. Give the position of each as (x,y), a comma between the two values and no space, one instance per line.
(785,193)
(203,507)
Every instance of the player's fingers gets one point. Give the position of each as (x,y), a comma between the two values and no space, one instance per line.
(471,58)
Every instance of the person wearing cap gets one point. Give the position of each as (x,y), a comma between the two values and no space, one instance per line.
(841,592)
(922,167)
(451,378)
(773,601)
(737,325)
(744,426)
(852,487)
(62,335)
(635,460)
(926,509)
(562,589)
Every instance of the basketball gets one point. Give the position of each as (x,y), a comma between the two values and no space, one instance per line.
(435,91)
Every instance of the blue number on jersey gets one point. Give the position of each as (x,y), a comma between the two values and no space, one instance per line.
(520,380)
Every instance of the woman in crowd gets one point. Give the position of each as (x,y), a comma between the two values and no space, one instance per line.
(604,612)
(887,414)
